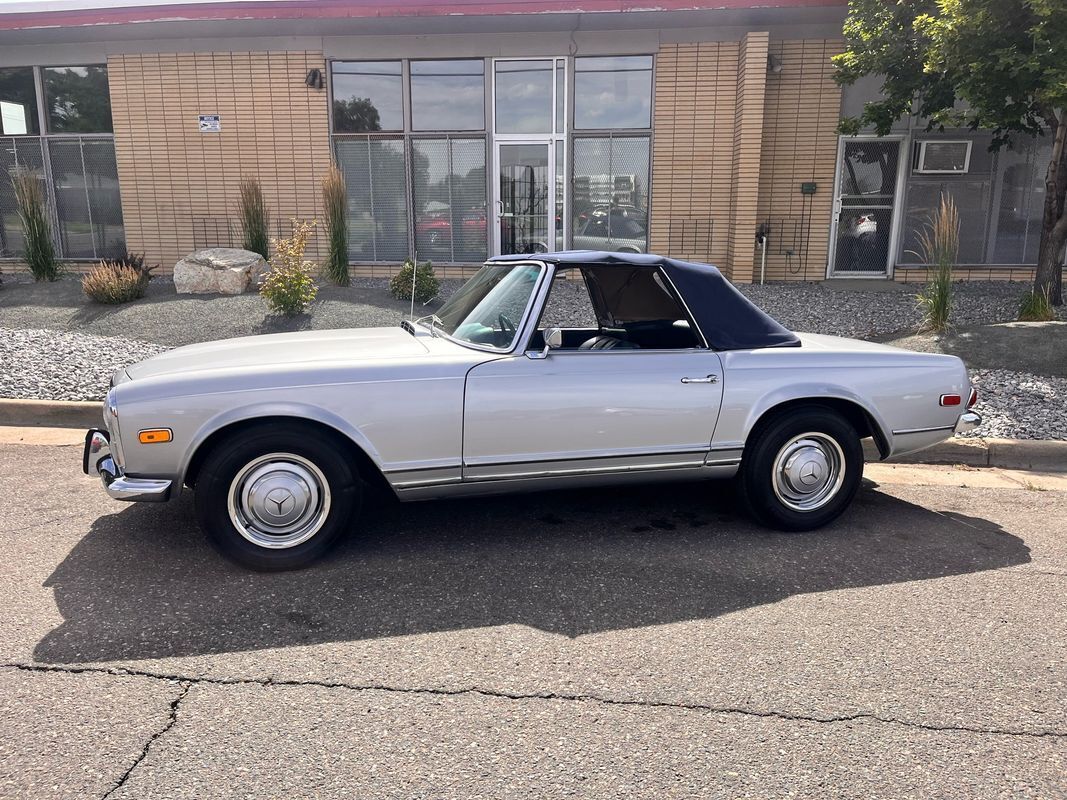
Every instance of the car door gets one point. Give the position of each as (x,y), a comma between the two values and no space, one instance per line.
(580,411)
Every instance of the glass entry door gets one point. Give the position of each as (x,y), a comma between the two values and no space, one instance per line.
(865,216)
(524,198)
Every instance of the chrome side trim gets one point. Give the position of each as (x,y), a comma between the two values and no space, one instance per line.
(623,468)
(906,431)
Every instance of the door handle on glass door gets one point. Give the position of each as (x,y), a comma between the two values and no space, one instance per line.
(708,379)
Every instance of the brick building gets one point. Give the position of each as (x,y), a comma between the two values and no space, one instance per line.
(466,130)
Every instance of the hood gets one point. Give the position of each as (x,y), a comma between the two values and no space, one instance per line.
(283,349)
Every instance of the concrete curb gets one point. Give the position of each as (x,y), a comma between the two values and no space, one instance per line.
(51,414)
(1031,454)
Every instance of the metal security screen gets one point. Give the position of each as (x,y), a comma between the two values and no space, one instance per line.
(376,177)
(866,196)
(83,193)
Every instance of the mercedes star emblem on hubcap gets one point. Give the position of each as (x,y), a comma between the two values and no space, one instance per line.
(281,500)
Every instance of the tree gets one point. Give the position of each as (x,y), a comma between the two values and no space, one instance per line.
(993,64)
(356,114)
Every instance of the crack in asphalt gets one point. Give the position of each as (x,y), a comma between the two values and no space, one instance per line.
(171,719)
(188,681)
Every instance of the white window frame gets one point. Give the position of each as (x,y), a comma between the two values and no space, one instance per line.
(921,170)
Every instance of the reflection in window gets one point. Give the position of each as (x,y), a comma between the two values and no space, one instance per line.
(367,96)
(449,184)
(1019,201)
(609,194)
(377,197)
(613,92)
(448,95)
(524,96)
(16,153)
(18,102)
(78,99)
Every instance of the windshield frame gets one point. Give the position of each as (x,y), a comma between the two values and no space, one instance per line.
(521,333)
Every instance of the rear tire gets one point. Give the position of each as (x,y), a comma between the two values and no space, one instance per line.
(802,469)
(277,497)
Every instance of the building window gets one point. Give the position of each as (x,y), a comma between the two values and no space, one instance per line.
(524,92)
(411,192)
(367,96)
(377,197)
(613,93)
(77,99)
(449,193)
(448,95)
(609,193)
(18,102)
(74,159)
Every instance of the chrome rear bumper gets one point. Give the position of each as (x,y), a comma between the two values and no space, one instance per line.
(97,459)
(967,422)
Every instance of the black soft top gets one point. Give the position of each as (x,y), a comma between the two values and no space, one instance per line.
(728,319)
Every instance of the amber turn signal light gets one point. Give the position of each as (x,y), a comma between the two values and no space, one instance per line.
(155,435)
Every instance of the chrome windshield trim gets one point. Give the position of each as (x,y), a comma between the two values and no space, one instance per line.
(519,329)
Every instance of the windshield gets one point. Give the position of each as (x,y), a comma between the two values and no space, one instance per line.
(488,309)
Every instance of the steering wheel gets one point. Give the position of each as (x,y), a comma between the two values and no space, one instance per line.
(506,325)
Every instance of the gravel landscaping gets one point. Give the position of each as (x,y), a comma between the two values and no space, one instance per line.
(56,345)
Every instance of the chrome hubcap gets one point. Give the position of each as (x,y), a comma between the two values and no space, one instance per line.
(808,471)
(279,500)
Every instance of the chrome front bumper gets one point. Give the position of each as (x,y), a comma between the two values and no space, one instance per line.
(97,459)
(967,422)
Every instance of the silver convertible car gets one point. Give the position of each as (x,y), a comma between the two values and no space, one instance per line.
(556,370)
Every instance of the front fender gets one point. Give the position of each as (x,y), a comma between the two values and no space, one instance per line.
(295,410)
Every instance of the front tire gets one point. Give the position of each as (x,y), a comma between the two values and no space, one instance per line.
(802,469)
(276,497)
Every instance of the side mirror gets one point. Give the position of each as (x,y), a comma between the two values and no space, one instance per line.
(553,341)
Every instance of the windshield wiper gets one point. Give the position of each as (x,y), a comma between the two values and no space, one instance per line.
(434,320)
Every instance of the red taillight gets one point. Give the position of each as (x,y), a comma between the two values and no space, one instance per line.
(951,399)
(973,398)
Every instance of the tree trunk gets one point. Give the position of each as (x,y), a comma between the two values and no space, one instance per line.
(1048,279)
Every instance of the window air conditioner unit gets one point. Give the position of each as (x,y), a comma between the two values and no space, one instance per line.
(937,156)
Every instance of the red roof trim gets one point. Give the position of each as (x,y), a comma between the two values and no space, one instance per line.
(357,9)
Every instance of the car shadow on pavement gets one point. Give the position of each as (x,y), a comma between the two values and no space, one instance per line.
(144,584)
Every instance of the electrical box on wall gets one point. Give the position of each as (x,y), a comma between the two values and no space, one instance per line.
(807,188)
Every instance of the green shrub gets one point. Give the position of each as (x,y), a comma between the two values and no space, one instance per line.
(1036,307)
(939,244)
(255,219)
(288,286)
(426,284)
(335,211)
(118,280)
(37,233)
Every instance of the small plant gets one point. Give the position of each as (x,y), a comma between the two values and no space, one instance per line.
(117,280)
(288,286)
(939,244)
(1036,307)
(255,219)
(37,234)
(426,284)
(335,208)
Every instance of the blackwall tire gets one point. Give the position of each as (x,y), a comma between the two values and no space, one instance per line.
(277,497)
(802,470)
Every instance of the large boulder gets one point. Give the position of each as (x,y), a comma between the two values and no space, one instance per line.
(218,270)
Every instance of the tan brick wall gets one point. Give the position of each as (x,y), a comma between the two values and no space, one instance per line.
(733,142)
(748,144)
(801,112)
(179,186)
(692,155)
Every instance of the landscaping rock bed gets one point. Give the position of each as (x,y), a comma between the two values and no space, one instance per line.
(52,347)
(55,365)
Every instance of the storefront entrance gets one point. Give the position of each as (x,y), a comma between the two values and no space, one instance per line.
(529,152)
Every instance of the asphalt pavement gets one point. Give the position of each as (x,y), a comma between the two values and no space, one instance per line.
(640,643)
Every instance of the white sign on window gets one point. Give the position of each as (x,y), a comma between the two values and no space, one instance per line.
(12,118)
(210,123)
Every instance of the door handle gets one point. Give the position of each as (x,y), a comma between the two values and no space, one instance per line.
(708,379)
